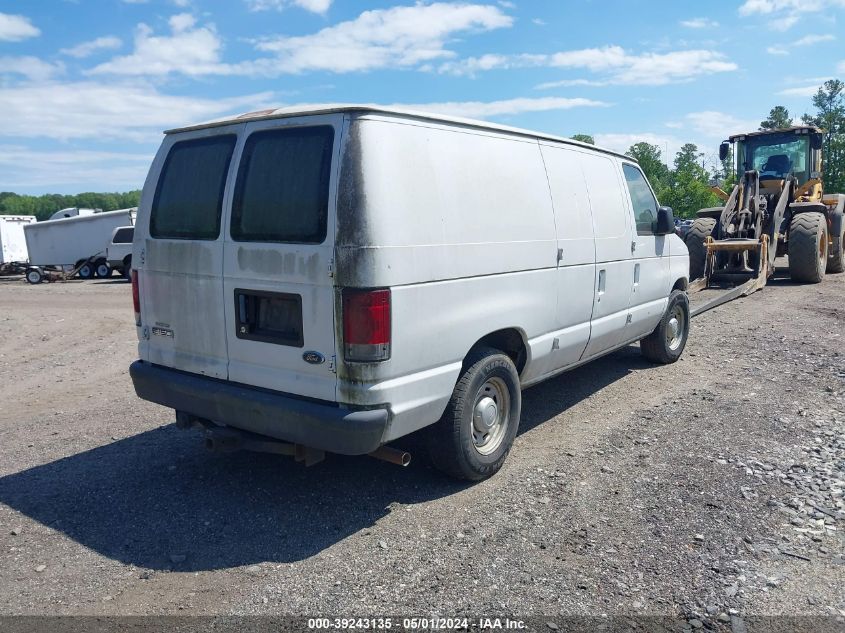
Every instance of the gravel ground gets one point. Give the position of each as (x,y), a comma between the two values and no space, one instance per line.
(710,491)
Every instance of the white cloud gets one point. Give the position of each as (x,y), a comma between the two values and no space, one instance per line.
(784,14)
(801,91)
(718,125)
(569,83)
(810,40)
(621,142)
(120,110)
(85,49)
(189,50)
(399,37)
(487,109)
(647,69)
(14,28)
(30,67)
(315,6)
(777,50)
(22,167)
(700,23)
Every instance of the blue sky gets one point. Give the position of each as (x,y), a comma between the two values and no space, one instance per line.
(87,86)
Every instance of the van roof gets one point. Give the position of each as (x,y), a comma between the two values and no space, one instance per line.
(333,108)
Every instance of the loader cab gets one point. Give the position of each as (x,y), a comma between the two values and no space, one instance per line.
(777,154)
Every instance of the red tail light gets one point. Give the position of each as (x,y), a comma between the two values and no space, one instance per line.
(136,297)
(366,325)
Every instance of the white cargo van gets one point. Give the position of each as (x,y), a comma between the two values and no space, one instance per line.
(338,277)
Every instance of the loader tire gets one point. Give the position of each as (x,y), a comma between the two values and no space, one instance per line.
(700,230)
(836,255)
(807,247)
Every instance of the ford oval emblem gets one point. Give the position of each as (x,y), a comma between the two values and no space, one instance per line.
(315,358)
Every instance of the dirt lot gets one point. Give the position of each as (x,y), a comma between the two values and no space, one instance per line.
(709,490)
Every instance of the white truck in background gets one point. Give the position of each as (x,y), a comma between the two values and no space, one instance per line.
(119,251)
(74,245)
(13,253)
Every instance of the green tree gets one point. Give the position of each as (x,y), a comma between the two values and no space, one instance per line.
(829,102)
(689,189)
(778,119)
(584,138)
(44,206)
(651,162)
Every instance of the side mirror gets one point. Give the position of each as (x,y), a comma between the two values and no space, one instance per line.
(665,221)
(816,140)
(724,150)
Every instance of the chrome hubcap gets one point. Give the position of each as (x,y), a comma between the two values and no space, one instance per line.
(675,328)
(490,418)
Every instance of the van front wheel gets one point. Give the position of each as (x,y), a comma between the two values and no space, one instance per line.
(666,343)
(475,434)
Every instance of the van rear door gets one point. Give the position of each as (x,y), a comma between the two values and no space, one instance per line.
(278,288)
(180,261)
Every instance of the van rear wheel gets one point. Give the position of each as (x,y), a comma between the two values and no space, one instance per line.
(475,434)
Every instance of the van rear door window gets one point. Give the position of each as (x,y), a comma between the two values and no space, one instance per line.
(282,193)
(189,197)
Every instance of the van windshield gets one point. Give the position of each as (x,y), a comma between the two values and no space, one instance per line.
(282,193)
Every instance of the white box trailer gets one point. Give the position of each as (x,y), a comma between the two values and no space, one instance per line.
(75,245)
(13,252)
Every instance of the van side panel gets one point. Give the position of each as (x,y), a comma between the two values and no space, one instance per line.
(460,226)
(421,203)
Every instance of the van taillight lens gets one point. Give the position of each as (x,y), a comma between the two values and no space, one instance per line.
(366,325)
(136,297)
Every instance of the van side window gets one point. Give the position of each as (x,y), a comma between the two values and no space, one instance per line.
(189,196)
(645,206)
(282,193)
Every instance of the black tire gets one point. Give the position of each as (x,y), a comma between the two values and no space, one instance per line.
(700,230)
(666,343)
(807,247)
(127,268)
(455,444)
(34,276)
(836,255)
(102,269)
(86,271)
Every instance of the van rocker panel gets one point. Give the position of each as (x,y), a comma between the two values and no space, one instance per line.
(311,424)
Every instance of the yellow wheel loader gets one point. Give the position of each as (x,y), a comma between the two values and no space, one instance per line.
(777,208)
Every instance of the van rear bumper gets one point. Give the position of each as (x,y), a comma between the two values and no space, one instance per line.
(312,424)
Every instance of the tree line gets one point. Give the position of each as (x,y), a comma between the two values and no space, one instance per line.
(42,207)
(685,185)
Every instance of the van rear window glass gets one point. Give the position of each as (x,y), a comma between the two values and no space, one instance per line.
(123,236)
(282,194)
(189,197)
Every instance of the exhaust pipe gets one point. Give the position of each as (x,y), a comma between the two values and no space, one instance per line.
(221,441)
(392,455)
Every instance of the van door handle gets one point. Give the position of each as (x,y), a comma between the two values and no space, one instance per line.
(636,276)
(602,275)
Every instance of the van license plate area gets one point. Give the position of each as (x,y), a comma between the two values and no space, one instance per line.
(269,317)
